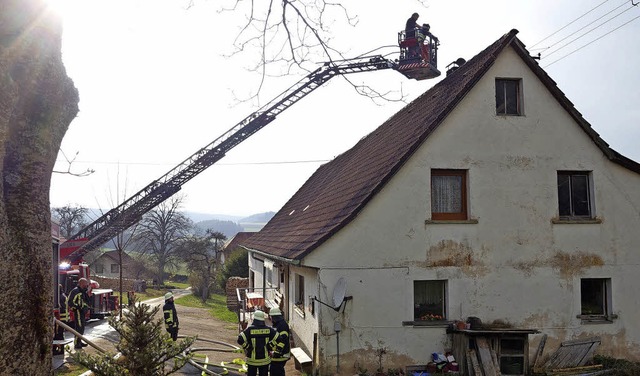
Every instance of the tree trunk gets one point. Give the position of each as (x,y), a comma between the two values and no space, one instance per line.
(37,103)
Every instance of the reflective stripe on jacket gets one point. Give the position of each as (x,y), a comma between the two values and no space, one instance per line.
(282,349)
(256,341)
(170,315)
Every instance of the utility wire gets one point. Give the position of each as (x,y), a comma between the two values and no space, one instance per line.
(218,164)
(572,52)
(587,32)
(587,25)
(567,25)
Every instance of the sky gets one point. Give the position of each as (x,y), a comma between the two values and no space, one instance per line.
(157,82)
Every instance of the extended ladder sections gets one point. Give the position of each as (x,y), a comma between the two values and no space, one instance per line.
(131,211)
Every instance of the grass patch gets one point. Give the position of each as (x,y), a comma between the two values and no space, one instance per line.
(70,369)
(216,305)
(177,285)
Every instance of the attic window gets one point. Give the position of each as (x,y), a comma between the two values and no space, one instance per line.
(448,194)
(509,96)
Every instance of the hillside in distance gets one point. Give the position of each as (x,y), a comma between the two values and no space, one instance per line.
(230,228)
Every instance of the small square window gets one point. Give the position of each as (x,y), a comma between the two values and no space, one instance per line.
(115,268)
(429,298)
(448,194)
(508,97)
(574,195)
(595,297)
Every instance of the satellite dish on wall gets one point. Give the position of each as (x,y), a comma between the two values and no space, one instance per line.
(339,292)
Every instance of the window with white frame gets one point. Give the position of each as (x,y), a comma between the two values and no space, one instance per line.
(574,195)
(595,298)
(269,274)
(429,300)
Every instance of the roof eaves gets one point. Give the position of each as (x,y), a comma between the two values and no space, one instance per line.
(551,85)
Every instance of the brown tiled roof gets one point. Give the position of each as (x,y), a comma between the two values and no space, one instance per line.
(237,240)
(338,190)
(114,256)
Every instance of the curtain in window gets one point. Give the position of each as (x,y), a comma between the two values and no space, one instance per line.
(446,194)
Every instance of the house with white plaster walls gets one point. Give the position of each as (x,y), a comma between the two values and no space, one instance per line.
(490,197)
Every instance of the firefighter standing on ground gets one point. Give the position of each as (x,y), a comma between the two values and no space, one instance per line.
(78,305)
(282,350)
(170,316)
(256,341)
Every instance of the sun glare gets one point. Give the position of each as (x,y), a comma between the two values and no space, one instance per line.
(61,7)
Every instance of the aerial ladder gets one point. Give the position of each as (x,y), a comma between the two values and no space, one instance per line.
(418,60)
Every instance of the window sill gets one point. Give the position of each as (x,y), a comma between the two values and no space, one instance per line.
(575,221)
(299,311)
(451,222)
(597,319)
(431,324)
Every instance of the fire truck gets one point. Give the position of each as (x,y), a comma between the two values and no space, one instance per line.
(417,60)
(102,302)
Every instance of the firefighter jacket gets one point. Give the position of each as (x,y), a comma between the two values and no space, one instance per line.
(78,301)
(170,315)
(256,341)
(64,314)
(282,348)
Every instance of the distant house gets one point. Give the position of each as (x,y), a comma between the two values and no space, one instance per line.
(490,197)
(108,265)
(233,244)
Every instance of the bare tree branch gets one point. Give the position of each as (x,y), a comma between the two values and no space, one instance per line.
(296,41)
(88,172)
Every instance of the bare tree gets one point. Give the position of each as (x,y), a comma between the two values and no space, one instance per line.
(202,255)
(38,101)
(71,219)
(126,238)
(160,233)
(287,37)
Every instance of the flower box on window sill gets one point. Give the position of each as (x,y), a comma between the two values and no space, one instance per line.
(429,323)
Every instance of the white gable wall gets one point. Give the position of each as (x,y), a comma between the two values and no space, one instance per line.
(514,264)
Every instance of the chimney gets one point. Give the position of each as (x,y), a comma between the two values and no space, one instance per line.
(453,66)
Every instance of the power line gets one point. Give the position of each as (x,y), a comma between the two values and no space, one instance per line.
(567,25)
(590,23)
(219,164)
(589,31)
(572,52)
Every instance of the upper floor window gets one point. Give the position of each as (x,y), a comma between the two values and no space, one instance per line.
(448,194)
(574,195)
(99,268)
(508,96)
(115,268)
(429,298)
